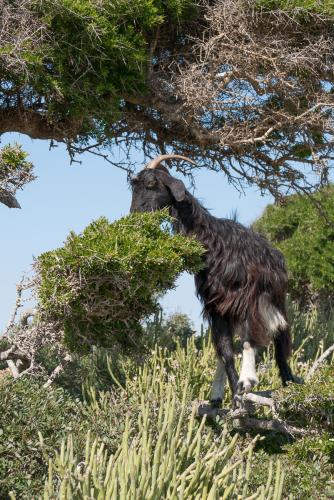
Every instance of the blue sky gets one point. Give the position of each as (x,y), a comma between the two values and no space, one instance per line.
(67,197)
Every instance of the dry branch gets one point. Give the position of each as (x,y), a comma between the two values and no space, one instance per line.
(319,362)
(26,339)
(241,419)
(13,369)
(57,371)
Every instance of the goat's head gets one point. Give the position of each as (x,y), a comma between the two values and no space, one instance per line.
(154,188)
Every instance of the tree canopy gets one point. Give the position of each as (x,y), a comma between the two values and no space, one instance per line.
(306,239)
(241,86)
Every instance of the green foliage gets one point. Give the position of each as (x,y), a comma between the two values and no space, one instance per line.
(309,461)
(312,330)
(312,404)
(96,74)
(138,434)
(26,409)
(32,415)
(15,170)
(325,7)
(87,55)
(306,239)
(182,460)
(103,282)
(307,464)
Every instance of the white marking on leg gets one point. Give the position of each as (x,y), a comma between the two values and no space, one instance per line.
(218,385)
(248,378)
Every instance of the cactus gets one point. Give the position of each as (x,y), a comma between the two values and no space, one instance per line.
(180,460)
(165,452)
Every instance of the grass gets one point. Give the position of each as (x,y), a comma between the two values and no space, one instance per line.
(325,7)
(134,434)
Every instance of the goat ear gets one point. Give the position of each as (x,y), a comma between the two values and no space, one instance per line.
(176,187)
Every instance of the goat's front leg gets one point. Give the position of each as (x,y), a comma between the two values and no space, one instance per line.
(223,342)
(248,378)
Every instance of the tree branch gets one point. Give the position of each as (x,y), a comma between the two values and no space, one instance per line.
(241,419)
(318,362)
(8,199)
(57,371)
(32,123)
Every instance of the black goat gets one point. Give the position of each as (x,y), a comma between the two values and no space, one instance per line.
(242,286)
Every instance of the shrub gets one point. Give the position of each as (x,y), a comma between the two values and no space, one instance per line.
(163,450)
(33,422)
(26,409)
(180,461)
(145,428)
(103,282)
(311,404)
(324,7)
(306,239)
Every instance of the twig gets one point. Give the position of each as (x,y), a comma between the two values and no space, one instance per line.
(26,315)
(318,362)
(261,398)
(13,353)
(58,370)
(258,399)
(13,368)
(18,304)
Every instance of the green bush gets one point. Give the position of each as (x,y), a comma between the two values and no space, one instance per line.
(34,420)
(144,424)
(26,409)
(306,239)
(103,282)
(181,460)
(311,404)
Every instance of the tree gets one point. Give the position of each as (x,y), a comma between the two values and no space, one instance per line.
(168,332)
(241,86)
(306,239)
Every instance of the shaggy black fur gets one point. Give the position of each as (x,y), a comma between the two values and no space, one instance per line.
(240,266)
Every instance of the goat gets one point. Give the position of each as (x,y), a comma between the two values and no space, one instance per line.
(242,285)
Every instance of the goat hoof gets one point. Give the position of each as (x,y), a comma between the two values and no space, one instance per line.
(216,403)
(298,380)
(246,385)
(236,402)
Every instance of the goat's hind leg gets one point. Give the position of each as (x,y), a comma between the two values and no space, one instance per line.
(282,344)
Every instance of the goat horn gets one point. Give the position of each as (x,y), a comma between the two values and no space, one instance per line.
(156,161)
